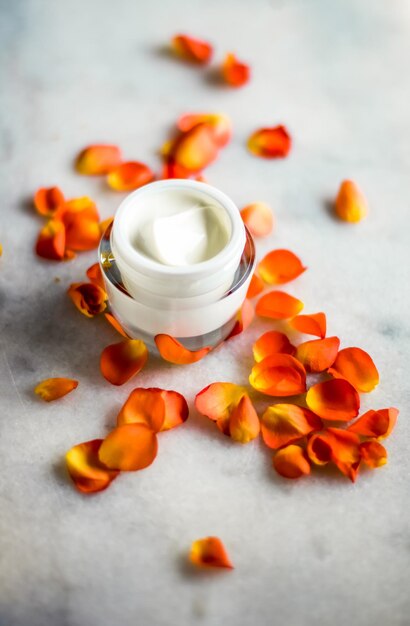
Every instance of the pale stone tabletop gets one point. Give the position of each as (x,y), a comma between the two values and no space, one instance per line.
(316,551)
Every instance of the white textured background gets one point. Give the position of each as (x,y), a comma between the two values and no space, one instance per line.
(318,551)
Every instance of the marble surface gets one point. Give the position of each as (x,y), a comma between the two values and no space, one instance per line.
(318,551)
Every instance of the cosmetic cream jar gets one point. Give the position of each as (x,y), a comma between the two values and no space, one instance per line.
(178,260)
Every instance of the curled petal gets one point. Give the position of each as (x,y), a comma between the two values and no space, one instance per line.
(279,267)
(98,159)
(279,375)
(278,305)
(192,49)
(350,205)
(81,220)
(256,287)
(337,445)
(51,241)
(157,408)
(47,200)
(282,424)
(258,218)
(173,351)
(217,401)
(54,388)
(244,422)
(121,361)
(89,298)
(334,400)
(234,72)
(115,324)
(319,354)
(318,449)
(313,324)
(195,149)
(209,552)
(356,366)
(94,274)
(129,447)
(129,176)
(244,318)
(270,143)
(270,343)
(105,224)
(377,424)
(373,453)
(87,472)
(291,462)
(219,123)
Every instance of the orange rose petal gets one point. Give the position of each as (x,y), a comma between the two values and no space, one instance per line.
(171,169)
(219,123)
(105,224)
(270,143)
(81,220)
(94,274)
(291,462)
(51,241)
(244,318)
(176,409)
(319,354)
(47,200)
(356,366)
(282,424)
(338,445)
(173,351)
(270,343)
(313,324)
(121,361)
(334,400)
(244,422)
(350,205)
(217,401)
(86,470)
(143,406)
(115,324)
(258,218)
(278,305)
(54,388)
(373,453)
(89,298)
(196,148)
(98,159)
(234,72)
(209,552)
(192,49)
(129,447)
(318,449)
(256,287)
(279,375)
(279,267)
(377,424)
(129,176)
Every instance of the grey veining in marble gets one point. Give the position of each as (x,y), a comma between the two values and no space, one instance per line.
(320,551)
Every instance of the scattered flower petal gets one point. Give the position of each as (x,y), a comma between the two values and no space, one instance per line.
(55,388)
(121,361)
(270,343)
(244,318)
(115,324)
(195,149)
(219,123)
(129,176)
(373,453)
(282,424)
(279,267)
(279,375)
(98,159)
(129,447)
(105,224)
(234,72)
(51,241)
(278,305)
(256,287)
(377,424)
(87,472)
(258,218)
(173,351)
(356,366)
(159,409)
(350,205)
(244,422)
(270,143)
(337,445)
(313,324)
(218,401)
(89,298)
(209,552)
(192,49)
(94,274)
(334,400)
(291,462)
(81,220)
(319,354)
(47,200)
